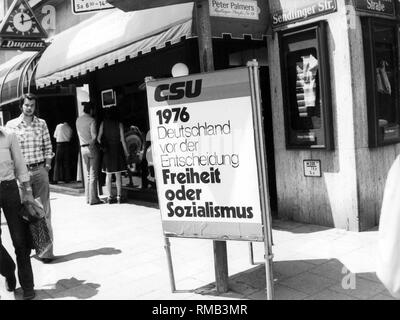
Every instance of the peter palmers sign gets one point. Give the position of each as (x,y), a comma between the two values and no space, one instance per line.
(203,145)
(234,9)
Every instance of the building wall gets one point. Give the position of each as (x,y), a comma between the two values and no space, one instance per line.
(331,200)
(373,164)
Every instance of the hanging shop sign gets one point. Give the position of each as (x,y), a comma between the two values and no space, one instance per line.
(385,7)
(134,5)
(204,154)
(289,11)
(20,29)
(239,18)
(86,6)
(234,9)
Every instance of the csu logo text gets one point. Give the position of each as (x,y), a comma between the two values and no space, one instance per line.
(178,90)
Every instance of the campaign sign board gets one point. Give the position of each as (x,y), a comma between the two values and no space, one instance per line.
(203,144)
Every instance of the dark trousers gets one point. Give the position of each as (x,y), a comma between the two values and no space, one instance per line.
(62,167)
(10,202)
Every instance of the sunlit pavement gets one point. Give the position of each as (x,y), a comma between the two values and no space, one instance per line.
(117,252)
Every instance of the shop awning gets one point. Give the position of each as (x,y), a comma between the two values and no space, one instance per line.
(109,37)
(16,76)
(133,5)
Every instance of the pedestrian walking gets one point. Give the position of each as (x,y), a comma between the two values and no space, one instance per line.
(12,168)
(62,168)
(87,133)
(388,258)
(34,140)
(111,138)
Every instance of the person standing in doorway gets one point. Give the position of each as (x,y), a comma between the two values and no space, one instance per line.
(111,137)
(34,140)
(13,168)
(62,167)
(87,133)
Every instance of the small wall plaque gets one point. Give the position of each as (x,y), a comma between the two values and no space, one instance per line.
(312,168)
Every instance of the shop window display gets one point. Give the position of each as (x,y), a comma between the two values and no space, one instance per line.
(306,88)
(380,47)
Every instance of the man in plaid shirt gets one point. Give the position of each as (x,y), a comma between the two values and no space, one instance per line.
(34,140)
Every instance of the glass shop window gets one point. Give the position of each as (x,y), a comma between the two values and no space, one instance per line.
(305,77)
(380,47)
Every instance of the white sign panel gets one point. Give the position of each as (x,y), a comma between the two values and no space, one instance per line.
(204,156)
(85,6)
(312,168)
(234,9)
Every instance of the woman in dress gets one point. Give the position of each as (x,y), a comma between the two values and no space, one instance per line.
(111,138)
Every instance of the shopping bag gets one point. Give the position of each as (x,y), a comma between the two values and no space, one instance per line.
(32,211)
(388,262)
(40,233)
(41,239)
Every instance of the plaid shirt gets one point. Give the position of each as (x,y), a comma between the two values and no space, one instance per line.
(34,139)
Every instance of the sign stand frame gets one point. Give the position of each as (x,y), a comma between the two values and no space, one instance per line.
(262,175)
(253,69)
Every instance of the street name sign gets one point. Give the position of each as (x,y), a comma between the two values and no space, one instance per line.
(384,7)
(289,11)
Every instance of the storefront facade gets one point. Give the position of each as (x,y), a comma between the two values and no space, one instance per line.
(128,47)
(57,104)
(335,108)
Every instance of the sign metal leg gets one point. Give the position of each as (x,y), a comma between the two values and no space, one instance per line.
(263,176)
(251,253)
(167,247)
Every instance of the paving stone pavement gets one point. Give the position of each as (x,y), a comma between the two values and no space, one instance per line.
(110,252)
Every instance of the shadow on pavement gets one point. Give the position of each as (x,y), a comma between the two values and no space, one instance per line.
(303,280)
(86,254)
(147,204)
(65,288)
(303,228)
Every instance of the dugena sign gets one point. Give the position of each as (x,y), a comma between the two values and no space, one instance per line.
(289,11)
(203,145)
(382,7)
(22,44)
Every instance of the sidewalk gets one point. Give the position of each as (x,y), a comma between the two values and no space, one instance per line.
(117,252)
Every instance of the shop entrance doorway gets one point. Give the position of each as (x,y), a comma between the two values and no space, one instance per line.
(59,109)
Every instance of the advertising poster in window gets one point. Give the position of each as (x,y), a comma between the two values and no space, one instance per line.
(306,79)
(303,69)
(204,156)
